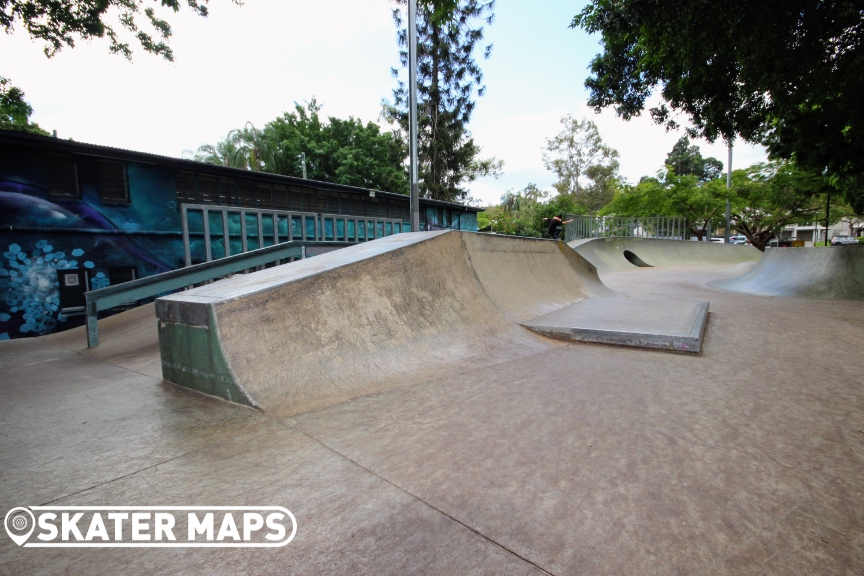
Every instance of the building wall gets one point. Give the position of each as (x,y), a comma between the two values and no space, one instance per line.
(109,219)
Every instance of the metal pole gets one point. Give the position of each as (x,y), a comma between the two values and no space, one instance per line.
(827,213)
(302,157)
(412,113)
(728,203)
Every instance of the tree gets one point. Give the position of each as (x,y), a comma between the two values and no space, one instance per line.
(767,197)
(672,195)
(586,168)
(61,23)
(687,160)
(225,152)
(15,112)
(343,151)
(447,78)
(785,73)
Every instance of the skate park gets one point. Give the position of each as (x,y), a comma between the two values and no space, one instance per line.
(433,403)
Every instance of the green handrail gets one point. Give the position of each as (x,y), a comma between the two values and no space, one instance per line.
(111,296)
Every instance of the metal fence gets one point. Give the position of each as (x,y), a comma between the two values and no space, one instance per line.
(607,226)
(228,230)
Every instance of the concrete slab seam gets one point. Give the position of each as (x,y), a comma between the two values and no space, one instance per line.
(296,427)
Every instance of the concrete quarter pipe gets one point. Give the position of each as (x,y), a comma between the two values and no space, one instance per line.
(406,308)
(830,273)
(366,318)
(624,254)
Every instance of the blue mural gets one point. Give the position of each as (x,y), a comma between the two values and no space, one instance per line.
(29,287)
(40,235)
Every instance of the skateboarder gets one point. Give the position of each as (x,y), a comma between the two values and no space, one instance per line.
(555,225)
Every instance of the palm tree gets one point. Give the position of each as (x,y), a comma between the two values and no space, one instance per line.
(224,153)
(257,147)
(247,149)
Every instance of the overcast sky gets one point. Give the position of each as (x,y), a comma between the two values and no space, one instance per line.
(253,62)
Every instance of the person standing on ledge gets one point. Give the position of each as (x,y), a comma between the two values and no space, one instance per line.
(555,225)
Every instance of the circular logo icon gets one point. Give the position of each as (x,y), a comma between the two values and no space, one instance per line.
(19,524)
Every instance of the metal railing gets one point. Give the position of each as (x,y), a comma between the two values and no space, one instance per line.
(359,228)
(275,226)
(670,227)
(119,294)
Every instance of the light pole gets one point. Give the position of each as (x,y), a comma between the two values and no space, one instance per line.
(728,204)
(302,157)
(412,114)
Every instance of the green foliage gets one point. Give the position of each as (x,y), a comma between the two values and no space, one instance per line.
(60,23)
(687,160)
(343,151)
(788,74)
(769,196)
(15,112)
(672,195)
(586,168)
(764,198)
(448,76)
(246,148)
(525,212)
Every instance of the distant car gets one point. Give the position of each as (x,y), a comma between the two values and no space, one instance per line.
(718,240)
(843,241)
(738,240)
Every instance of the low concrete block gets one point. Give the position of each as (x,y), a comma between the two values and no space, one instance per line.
(673,326)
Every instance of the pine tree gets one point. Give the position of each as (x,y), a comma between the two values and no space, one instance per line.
(448,33)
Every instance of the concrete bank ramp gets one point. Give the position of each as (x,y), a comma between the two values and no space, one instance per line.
(368,318)
(829,273)
(623,254)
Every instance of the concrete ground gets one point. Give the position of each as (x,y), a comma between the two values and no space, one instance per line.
(582,459)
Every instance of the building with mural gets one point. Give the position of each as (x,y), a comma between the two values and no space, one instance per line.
(76,217)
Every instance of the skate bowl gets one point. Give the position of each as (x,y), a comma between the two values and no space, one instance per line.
(623,254)
(368,318)
(830,273)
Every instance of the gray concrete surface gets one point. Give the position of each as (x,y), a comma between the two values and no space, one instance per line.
(568,459)
(578,459)
(829,273)
(624,254)
(662,324)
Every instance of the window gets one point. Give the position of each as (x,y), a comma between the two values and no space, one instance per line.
(62,177)
(113,187)
(208,188)
(246,195)
(295,198)
(187,190)
(280,197)
(264,195)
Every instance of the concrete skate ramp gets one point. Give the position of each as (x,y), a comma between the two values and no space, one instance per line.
(830,273)
(129,340)
(367,318)
(625,254)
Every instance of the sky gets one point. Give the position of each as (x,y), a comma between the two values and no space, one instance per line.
(251,63)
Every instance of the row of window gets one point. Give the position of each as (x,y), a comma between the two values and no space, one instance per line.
(63,179)
(199,188)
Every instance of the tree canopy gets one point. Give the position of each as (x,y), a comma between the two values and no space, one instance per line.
(61,23)
(785,73)
(342,151)
(765,198)
(687,160)
(670,194)
(585,167)
(15,112)
(448,78)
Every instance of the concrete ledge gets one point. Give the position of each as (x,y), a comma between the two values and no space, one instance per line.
(673,326)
